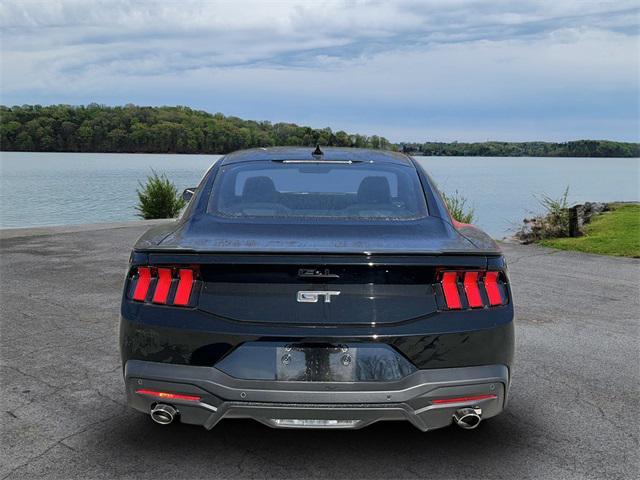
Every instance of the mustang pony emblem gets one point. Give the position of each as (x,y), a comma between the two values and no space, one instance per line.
(314,296)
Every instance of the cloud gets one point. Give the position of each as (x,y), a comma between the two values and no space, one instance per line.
(458,68)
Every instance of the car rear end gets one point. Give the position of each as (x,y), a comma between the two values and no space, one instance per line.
(338,334)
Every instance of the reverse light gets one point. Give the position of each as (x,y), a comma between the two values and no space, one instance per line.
(441,401)
(168,395)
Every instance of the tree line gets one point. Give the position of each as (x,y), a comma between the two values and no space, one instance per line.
(577,148)
(136,129)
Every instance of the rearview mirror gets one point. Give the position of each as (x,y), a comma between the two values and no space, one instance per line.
(188,193)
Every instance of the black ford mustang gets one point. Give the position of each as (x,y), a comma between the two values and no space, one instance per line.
(317,289)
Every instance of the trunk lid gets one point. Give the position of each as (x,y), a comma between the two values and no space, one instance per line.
(318,290)
(307,273)
(430,235)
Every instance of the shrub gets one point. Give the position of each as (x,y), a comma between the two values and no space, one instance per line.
(556,219)
(553,223)
(457,205)
(158,198)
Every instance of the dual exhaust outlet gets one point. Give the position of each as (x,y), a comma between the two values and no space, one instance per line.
(466,418)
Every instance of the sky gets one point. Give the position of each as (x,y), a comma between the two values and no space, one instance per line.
(431,70)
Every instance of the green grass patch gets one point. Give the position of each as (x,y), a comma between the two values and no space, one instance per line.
(616,232)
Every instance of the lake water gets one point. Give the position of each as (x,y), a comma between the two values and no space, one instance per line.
(39,189)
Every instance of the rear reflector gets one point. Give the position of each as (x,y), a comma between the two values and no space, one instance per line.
(441,401)
(491,286)
(163,286)
(472,290)
(168,395)
(450,289)
(184,287)
(142,286)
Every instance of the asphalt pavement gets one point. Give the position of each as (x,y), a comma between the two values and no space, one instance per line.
(572,412)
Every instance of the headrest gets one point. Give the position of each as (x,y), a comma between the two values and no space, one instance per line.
(259,189)
(374,190)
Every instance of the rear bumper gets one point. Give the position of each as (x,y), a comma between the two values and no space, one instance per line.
(302,404)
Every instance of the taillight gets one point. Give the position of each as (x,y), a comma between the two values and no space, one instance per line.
(142,284)
(183,293)
(163,286)
(450,290)
(172,286)
(493,291)
(472,289)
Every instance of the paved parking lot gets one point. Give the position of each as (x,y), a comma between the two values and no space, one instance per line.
(573,410)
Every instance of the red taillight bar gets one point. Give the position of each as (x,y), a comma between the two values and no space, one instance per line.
(183,293)
(142,286)
(441,401)
(163,286)
(472,290)
(168,395)
(450,289)
(491,286)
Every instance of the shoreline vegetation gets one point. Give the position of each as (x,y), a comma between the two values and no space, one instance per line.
(600,228)
(134,129)
(615,231)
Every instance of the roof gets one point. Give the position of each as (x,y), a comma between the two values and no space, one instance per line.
(304,153)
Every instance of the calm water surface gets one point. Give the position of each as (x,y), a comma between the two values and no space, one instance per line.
(38,189)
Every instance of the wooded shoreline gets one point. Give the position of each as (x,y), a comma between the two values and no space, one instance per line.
(134,129)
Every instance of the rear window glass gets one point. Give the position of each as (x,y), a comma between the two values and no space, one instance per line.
(313,190)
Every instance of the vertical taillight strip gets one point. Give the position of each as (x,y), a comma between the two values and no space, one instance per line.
(472,290)
(163,286)
(450,290)
(185,285)
(492,288)
(142,284)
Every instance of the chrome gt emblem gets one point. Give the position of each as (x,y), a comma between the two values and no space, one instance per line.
(313,296)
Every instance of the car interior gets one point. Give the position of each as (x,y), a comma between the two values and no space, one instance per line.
(373,199)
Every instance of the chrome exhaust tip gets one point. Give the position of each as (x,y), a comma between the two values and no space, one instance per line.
(163,414)
(468,418)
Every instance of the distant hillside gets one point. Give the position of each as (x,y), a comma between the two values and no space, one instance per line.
(96,128)
(134,129)
(578,148)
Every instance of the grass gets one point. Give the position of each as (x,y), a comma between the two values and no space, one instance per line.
(457,206)
(616,232)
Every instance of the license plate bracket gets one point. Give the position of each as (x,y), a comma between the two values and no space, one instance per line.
(316,364)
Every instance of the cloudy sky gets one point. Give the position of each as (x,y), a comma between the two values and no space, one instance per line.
(408,70)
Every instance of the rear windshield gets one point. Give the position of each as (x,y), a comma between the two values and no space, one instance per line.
(312,190)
